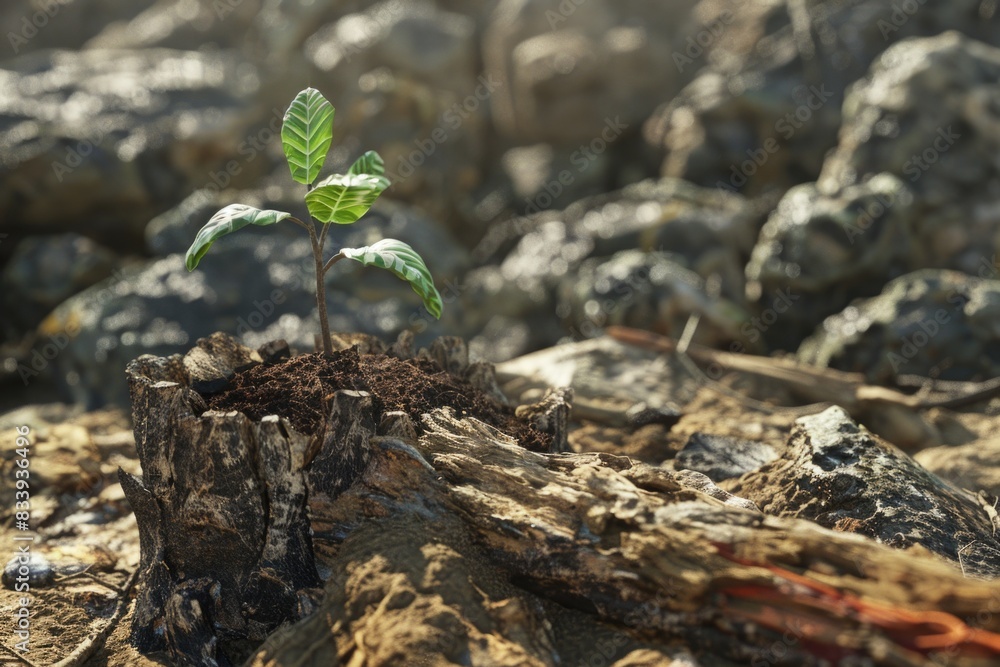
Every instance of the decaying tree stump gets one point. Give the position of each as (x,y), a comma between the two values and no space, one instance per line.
(222,502)
(221,509)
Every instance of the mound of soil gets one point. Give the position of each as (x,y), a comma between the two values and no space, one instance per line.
(298,388)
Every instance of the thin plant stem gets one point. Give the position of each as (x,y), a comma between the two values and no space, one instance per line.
(322,235)
(317,249)
(333,260)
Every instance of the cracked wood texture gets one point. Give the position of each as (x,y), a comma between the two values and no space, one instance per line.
(460,547)
(221,506)
(221,510)
(446,542)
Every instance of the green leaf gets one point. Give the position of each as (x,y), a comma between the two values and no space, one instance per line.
(344,198)
(402,260)
(369,163)
(230,219)
(306,133)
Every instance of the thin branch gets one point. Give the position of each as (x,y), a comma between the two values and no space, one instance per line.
(299,223)
(333,260)
(322,235)
(85,649)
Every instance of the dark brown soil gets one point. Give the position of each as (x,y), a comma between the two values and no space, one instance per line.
(297,389)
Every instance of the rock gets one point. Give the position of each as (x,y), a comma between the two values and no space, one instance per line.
(113,137)
(181,24)
(931,323)
(944,152)
(408,86)
(552,59)
(544,177)
(33,569)
(837,474)
(417,41)
(765,109)
(45,271)
(257,284)
(721,457)
(827,250)
(644,290)
(33,27)
(704,230)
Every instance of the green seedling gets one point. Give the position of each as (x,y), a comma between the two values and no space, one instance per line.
(306,133)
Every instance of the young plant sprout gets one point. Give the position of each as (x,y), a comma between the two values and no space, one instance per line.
(306,133)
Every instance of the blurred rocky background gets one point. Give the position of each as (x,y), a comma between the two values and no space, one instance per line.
(832,166)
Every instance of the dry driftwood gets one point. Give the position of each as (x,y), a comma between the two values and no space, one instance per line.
(892,414)
(823,385)
(457,546)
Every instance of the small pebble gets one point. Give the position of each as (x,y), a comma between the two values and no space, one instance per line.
(37,570)
(641,414)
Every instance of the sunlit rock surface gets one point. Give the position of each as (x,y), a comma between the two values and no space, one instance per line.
(100,141)
(931,323)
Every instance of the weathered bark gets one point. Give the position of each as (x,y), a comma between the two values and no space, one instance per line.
(465,525)
(460,546)
(222,502)
(221,509)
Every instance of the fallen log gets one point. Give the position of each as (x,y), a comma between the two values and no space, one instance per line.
(634,557)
